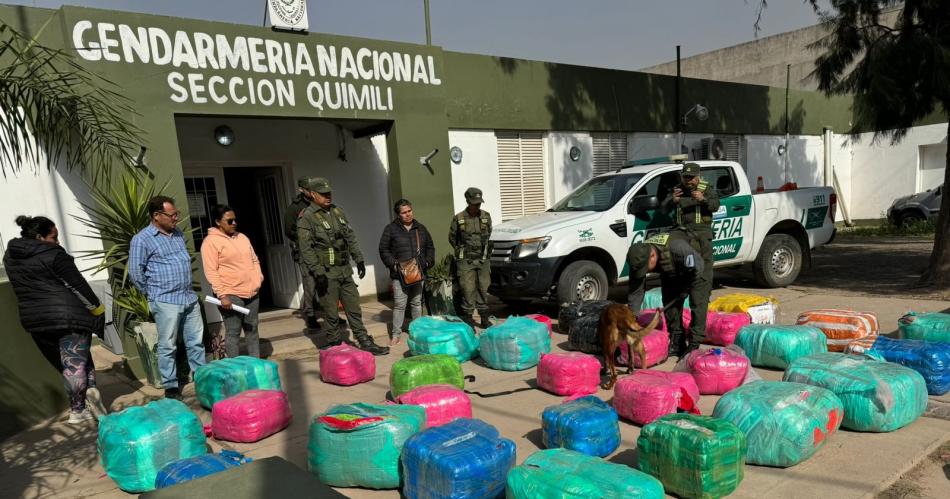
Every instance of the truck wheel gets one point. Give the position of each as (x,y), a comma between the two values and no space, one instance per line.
(779,261)
(582,280)
(909,218)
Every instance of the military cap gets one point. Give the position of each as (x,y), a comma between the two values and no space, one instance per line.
(316,184)
(473,195)
(690,170)
(638,258)
(303,182)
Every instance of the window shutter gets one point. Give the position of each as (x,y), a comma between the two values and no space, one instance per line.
(521,174)
(610,152)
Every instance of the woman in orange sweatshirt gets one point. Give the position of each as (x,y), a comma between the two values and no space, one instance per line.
(234,272)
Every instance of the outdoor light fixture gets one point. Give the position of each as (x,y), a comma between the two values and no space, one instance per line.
(575,153)
(701,113)
(424,160)
(455,154)
(781,149)
(223,135)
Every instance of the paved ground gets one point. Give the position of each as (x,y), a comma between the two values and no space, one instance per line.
(56,460)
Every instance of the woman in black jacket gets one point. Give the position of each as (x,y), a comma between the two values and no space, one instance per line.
(58,308)
(403,240)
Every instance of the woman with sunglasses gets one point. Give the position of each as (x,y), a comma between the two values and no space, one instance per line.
(234,272)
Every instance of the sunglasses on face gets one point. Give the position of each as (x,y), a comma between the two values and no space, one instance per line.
(230,221)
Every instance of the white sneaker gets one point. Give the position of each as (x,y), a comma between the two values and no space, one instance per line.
(80,417)
(94,403)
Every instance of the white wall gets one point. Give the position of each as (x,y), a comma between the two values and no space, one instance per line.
(307,148)
(805,156)
(479,168)
(565,175)
(881,172)
(841,157)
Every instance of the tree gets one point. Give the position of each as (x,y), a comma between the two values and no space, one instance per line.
(898,73)
(51,106)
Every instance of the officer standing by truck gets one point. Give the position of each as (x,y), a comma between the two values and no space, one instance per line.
(694,202)
(310,305)
(469,235)
(327,244)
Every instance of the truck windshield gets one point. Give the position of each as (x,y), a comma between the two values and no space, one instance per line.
(598,194)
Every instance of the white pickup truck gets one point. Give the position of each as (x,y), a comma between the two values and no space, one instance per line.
(578,248)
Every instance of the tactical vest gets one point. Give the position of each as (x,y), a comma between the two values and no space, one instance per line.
(337,254)
(698,218)
(473,241)
(664,258)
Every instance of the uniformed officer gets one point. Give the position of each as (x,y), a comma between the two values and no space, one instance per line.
(469,235)
(694,202)
(310,306)
(327,244)
(681,270)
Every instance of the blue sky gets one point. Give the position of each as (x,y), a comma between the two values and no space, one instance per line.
(619,34)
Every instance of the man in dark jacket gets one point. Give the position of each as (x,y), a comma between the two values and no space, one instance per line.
(310,304)
(404,241)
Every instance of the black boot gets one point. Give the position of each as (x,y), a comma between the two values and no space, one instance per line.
(469,320)
(674,350)
(332,343)
(485,324)
(312,323)
(693,345)
(368,345)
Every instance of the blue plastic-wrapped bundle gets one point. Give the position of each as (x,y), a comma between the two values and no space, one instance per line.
(223,378)
(515,344)
(358,445)
(567,474)
(769,345)
(136,443)
(931,359)
(443,334)
(196,467)
(877,396)
(926,327)
(588,425)
(785,423)
(464,458)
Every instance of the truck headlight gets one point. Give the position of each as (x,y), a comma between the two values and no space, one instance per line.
(531,247)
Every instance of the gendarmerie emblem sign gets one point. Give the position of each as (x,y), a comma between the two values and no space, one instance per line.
(288,14)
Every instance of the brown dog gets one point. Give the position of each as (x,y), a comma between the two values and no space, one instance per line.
(619,325)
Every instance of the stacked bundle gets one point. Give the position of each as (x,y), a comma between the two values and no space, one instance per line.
(250,416)
(223,378)
(443,403)
(444,334)
(421,370)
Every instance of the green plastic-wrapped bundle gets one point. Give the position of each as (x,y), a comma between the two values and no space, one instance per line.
(443,334)
(654,299)
(927,327)
(358,445)
(565,474)
(223,378)
(694,456)
(135,444)
(784,423)
(877,396)
(420,370)
(768,345)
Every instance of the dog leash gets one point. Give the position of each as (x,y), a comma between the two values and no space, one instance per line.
(497,394)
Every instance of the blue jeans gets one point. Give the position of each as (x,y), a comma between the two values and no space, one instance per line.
(174,321)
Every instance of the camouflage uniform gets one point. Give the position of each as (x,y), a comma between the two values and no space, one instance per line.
(469,236)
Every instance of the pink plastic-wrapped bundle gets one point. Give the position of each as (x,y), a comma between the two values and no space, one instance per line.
(543,319)
(717,370)
(646,395)
(657,345)
(346,365)
(722,327)
(645,316)
(250,416)
(443,403)
(570,373)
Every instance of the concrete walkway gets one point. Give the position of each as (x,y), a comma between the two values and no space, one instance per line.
(57,460)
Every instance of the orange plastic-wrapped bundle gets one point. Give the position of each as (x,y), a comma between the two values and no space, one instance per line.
(841,326)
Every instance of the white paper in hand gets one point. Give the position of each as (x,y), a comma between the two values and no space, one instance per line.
(237,308)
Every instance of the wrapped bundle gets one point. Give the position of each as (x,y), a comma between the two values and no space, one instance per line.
(654,299)
(587,425)
(223,378)
(358,445)
(582,337)
(784,423)
(443,403)
(250,416)
(717,370)
(465,458)
(568,474)
(570,373)
(543,319)
(841,326)
(185,470)
(646,395)
(514,345)
(694,456)
(574,311)
(657,346)
(930,359)
(136,443)
(345,365)
(877,396)
(779,346)
(761,309)
(722,327)
(444,334)
(646,315)
(925,327)
(420,370)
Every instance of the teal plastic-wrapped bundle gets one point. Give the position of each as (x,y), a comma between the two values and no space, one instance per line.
(784,423)
(135,444)
(588,425)
(444,334)
(223,378)
(694,456)
(877,396)
(358,445)
(768,345)
(927,327)
(654,299)
(514,345)
(567,474)
(421,370)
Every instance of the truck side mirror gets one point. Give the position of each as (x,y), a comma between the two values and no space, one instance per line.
(640,204)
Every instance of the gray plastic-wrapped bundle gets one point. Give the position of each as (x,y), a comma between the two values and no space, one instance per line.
(575,310)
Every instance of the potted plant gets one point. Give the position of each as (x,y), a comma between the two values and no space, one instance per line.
(438,288)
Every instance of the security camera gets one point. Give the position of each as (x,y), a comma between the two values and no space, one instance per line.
(424,160)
